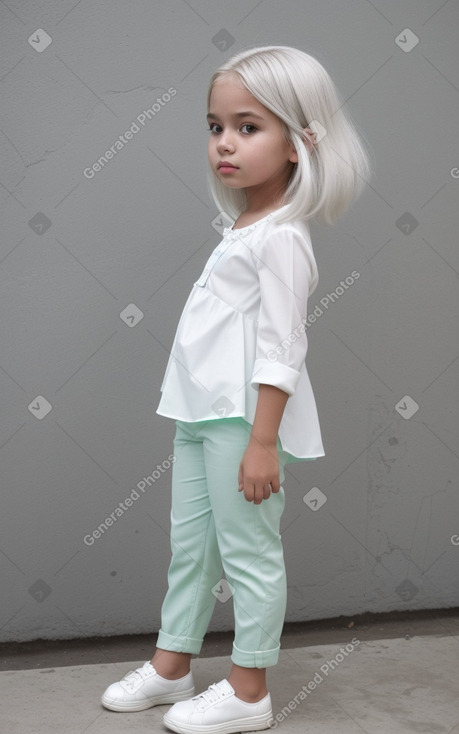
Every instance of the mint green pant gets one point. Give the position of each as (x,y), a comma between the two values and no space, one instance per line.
(213,525)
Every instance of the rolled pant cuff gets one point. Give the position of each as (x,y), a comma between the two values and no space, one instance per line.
(255,659)
(178,643)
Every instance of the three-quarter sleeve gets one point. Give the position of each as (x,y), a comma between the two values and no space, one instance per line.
(287,274)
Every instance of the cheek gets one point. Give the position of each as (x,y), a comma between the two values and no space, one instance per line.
(257,150)
(264,148)
(261,159)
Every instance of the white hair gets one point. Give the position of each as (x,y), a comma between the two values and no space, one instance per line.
(297,88)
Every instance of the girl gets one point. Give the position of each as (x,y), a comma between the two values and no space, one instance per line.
(281,151)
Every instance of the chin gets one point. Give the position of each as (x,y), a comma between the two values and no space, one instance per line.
(229,185)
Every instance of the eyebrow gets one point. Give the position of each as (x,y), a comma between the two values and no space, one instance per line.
(247,113)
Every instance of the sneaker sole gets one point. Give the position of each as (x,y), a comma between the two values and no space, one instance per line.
(250,723)
(147,703)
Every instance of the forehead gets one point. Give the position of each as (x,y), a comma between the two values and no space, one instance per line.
(229,95)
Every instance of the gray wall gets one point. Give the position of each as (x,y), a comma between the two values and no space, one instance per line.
(76,252)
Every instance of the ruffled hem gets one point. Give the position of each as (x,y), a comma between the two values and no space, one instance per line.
(205,382)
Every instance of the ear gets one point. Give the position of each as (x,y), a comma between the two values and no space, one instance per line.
(293,157)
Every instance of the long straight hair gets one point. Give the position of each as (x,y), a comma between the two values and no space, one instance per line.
(297,88)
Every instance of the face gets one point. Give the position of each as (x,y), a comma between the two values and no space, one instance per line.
(248,136)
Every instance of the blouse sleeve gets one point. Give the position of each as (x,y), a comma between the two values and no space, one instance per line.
(287,274)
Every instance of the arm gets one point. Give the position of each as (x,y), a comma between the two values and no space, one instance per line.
(287,275)
(259,468)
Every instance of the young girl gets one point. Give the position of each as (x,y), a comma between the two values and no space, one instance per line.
(281,151)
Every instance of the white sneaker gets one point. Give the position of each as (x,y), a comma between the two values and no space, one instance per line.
(142,688)
(219,711)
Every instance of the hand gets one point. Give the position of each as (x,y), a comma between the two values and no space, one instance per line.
(259,472)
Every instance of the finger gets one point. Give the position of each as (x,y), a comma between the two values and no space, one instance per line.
(239,479)
(249,492)
(266,491)
(258,494)
(275,485)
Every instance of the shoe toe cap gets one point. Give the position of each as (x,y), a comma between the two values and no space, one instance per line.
(182,712)
(114,693)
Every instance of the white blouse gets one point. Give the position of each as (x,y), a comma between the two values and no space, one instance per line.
(244,324)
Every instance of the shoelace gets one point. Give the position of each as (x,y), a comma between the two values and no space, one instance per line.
(132,678)
(213,693)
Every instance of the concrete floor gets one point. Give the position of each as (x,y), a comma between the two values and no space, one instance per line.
(391,676)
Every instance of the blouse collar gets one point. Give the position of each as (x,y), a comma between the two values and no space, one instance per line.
(251,227)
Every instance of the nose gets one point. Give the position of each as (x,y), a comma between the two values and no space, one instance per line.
(225,141)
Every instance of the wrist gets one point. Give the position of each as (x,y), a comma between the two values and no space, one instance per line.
(260,438)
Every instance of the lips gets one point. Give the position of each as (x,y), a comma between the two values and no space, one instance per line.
(225,164)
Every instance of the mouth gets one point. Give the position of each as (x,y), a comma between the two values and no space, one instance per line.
(226,167)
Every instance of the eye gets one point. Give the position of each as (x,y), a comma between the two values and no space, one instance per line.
(250,131)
